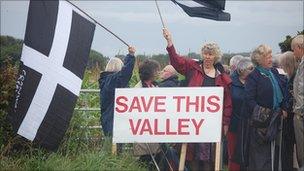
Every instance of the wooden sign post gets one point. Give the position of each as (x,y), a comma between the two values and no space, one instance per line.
(182,159)
(218,157)
(217,165)
(114,149)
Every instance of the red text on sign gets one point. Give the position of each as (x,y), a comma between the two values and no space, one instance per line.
(197,103)
(141,104)
(151,126)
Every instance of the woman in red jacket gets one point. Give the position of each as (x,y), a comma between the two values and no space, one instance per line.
(208,72)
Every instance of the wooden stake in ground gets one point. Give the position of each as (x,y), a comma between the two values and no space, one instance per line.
(182,157)
(217,165)
(114,149)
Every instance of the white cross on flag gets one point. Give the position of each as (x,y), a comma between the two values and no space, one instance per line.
(54,56)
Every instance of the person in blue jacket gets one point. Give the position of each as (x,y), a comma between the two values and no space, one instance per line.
(116,75)
(242,70)
(264,91)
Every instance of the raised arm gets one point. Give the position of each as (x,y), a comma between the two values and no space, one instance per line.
(181,64)
(168,37)
(124,75)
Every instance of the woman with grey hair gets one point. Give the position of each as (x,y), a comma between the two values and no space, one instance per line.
(234,61)
(116,75)
(208,72)
(243,68)
(263,102)
(289,65)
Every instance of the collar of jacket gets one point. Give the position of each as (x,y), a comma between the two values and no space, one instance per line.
(302,60)
(144,84)
(221,78)
(235,79)
(218,67)
(173,77)
(105,73)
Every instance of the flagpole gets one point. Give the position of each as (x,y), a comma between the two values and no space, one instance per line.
(161,18)
(99,23)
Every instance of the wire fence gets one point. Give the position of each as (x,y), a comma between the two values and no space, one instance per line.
(85,127)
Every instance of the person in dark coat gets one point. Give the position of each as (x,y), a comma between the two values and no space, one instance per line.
(208,72)
(116,75)
(289,65)
(169,77)
(263,92)
(148,73)
(243,68)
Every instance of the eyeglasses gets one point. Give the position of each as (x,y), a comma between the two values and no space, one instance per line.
(250,68)
(293,47)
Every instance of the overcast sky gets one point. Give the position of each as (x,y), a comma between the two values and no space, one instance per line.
(137,22)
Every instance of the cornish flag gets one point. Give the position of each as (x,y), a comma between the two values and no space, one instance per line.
(54,56)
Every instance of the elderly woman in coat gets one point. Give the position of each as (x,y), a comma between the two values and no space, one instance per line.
(208,72)
(289,64)
(234,61)
(263,99)
(116,75)
(242,70)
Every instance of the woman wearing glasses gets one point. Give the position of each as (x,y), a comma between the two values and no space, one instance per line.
(205,73)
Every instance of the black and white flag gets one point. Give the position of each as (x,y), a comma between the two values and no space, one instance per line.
(55,52)
(209,9)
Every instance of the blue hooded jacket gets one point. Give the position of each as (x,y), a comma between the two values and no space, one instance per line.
(108,81)
(238,97)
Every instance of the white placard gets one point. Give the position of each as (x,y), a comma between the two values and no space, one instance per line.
(192,114)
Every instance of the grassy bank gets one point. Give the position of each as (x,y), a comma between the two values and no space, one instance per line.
(97,158)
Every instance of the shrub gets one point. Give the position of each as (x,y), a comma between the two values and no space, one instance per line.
(7,85)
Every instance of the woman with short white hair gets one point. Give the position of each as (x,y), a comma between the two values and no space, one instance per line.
(114,65)
(288,63)
(263,102)
(116,75)
(234,61)
(243,68)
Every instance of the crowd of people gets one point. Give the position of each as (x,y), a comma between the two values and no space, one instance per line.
(263,106)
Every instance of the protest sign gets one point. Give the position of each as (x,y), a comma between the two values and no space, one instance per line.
(168,115)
